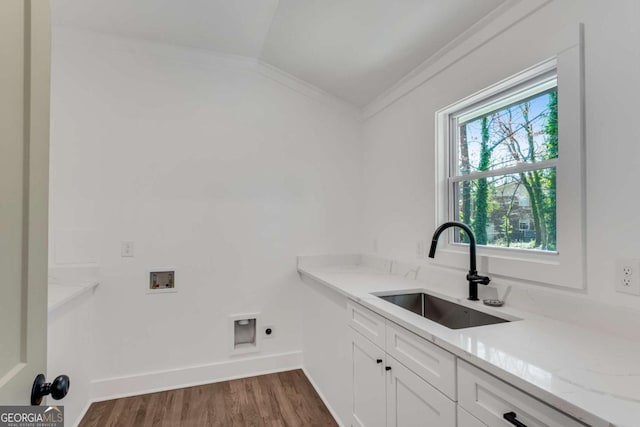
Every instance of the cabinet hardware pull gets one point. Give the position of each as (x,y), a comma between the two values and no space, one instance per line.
(378,361)
(511,417)
(388,368)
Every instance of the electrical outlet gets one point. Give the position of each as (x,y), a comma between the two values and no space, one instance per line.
(628,276)
(126,250)
(268,332)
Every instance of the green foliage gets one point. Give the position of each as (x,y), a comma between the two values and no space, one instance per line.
(494,203)
(550,181)
(482,189)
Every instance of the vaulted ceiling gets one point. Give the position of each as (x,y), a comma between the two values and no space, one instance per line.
(353,49)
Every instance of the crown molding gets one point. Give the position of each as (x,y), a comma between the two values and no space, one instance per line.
(307,89)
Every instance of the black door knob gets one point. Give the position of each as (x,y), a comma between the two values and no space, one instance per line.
(57,389)
(378,361)
(387,368)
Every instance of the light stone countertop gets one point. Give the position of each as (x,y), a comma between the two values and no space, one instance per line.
(61,294)
(69,283)
(590,376)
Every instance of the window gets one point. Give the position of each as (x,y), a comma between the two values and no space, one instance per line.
(510,164)
(504,151)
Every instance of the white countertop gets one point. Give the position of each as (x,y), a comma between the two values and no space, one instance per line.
(67,283)
(61,294)
(590,376)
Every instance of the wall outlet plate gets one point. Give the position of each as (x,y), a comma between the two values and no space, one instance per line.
(627,276)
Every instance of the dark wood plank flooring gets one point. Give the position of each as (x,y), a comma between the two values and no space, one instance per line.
(281,399)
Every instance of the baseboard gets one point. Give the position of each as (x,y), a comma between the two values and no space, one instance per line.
(82,413)
(113,388)
(333,413)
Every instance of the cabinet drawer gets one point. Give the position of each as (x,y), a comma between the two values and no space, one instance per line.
(368,323)
(488,399)
(430,362)
(465,419)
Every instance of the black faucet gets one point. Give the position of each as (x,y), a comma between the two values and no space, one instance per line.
(472,276)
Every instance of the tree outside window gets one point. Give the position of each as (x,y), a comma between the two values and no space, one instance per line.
(504,180)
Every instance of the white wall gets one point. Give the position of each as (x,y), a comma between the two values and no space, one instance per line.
(213,165)
(399,144)
(70,341)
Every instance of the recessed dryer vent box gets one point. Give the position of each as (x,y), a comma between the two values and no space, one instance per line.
(161,280)
(244,329)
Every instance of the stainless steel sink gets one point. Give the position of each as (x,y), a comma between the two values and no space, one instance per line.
(449,314)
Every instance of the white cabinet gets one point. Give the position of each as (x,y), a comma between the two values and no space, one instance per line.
(465,419)
(369,382)
(490,399)
(388,393)
(412,402)
(368,323)
(433,364)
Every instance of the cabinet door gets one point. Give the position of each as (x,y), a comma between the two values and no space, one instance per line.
(368,375)
(412,402)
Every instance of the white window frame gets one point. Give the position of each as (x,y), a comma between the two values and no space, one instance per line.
(566,267)
(545,80)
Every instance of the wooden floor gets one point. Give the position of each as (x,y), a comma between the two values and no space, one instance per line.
(282,399)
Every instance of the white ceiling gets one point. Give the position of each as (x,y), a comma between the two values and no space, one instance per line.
(353,49)
(236,27)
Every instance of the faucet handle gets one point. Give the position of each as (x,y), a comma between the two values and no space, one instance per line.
(476,278)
